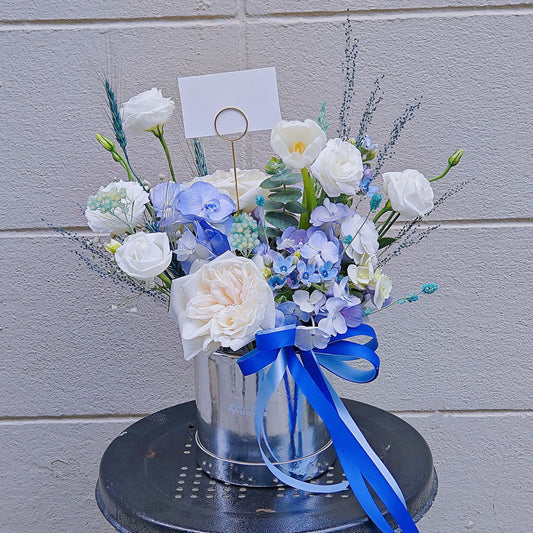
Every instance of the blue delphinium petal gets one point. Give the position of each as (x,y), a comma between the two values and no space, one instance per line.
(276,283)
(283,265)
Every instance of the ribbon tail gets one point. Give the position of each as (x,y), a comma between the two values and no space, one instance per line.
(358,465)
(267,386)
(311,364)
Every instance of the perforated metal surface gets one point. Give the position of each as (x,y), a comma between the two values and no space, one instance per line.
(150,482)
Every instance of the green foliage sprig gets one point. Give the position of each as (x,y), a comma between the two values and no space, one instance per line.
(283,200)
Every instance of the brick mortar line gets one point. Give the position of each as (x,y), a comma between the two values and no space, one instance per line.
(445,224)
(315,16)
(475,413)
(415,12)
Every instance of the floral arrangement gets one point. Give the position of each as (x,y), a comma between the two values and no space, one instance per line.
(302,242)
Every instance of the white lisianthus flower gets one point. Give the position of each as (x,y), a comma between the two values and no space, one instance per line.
(410,193)
(339,168)
(116,208)
(247,180)
(146,111)
(382,288)
(144,256)
(297,143)
(224,303)
(363,235)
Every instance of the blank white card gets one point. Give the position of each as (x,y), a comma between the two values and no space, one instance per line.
(255,92)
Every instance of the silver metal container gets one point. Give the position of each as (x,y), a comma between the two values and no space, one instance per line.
(227,446)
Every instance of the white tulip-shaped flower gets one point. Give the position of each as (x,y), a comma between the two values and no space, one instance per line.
(297,143)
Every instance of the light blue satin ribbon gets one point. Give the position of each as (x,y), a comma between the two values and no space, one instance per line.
(362,467)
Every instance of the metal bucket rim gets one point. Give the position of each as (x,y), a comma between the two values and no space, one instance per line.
(226,460)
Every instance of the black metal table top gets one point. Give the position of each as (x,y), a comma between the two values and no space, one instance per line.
(150,483)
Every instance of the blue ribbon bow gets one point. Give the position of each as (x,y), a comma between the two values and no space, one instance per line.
(362,467)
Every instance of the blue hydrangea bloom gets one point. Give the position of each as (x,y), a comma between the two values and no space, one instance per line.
(163,197)
(292,239)
(329,212)
(203,200)
(211,238)
(319,248)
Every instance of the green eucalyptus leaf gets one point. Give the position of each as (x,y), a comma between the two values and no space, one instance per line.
(271,232)
(273,182)
(385,241)
(271,205)
(295,207)
(281,220)
(288,195)
(293,179)
(280,177)
(269,183)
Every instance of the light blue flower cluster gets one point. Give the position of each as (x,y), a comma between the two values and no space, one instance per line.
(107,202)
(244,233)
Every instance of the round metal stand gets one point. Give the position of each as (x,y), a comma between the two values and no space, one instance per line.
(150,482)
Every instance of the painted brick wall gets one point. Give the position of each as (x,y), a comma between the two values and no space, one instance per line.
(456,365)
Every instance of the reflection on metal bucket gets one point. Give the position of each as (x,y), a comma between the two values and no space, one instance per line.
(226,441)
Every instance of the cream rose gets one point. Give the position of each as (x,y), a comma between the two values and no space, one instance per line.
(297,143)
(339,168)
(248,182)
(410,193)
(224,303)
(146,111)
(116,208)
(363,235)
(144,256)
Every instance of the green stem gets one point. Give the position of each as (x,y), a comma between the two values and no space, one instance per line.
(308,200)
(388,224)
(446,170)
(166,280)
(158,132)
(379,214)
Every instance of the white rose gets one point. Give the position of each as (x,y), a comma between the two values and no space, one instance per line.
(248,182)
(339,168)
(410,193)
(146,111)
(116,208)
(144,255)
(364,237)
(224,303)
(297,143)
